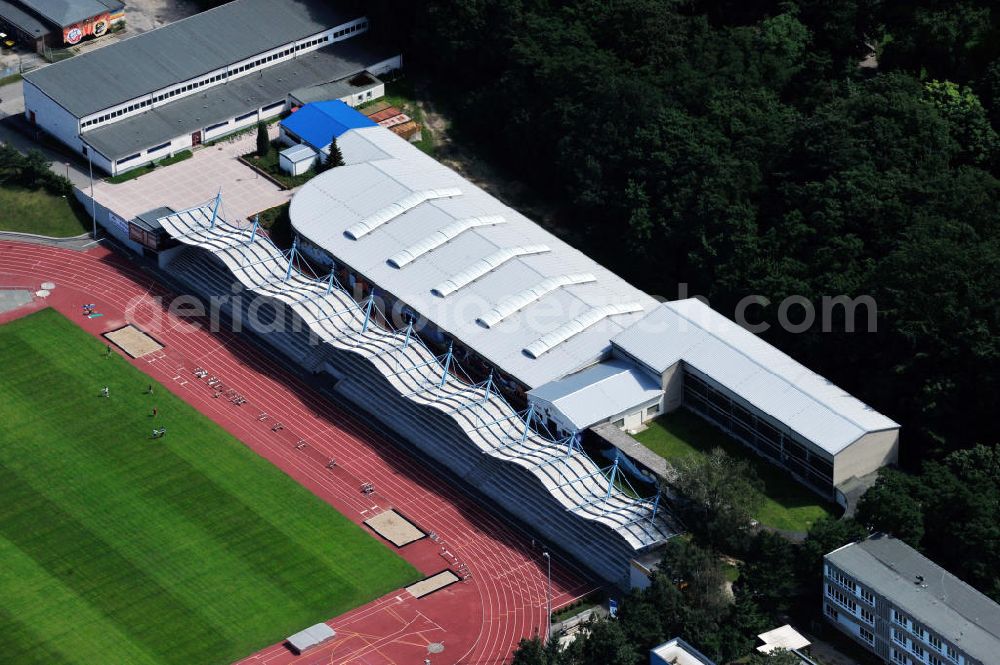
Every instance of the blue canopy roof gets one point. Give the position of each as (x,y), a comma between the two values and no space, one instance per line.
(319,122)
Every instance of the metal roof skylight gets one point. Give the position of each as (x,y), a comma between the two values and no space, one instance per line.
(485,266)
(514,303)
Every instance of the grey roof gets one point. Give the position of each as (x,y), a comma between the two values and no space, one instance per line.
(150,220)
(298,153)
(181,50)
(22,19)
(632,448)
(333,90)
(241,95)
(752,369)
(597,393)
(67,12)
(945,604)
(407,200)
(311,636)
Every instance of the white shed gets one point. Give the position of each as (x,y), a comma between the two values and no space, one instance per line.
(297,160)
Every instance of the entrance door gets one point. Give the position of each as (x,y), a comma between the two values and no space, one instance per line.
(196,138)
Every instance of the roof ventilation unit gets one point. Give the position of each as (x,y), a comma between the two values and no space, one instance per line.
(485,266)
(440,237)
(572,328)
(515,303)
(394,210)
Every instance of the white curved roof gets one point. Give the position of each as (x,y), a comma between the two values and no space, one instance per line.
(408,245)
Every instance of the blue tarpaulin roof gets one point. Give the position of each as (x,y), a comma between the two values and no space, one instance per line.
(317,123)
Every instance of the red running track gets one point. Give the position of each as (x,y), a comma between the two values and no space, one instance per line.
(478,620)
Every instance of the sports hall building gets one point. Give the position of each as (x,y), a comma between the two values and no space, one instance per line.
(560,332)
(200,78)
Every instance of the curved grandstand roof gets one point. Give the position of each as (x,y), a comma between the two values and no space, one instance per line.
(416,228)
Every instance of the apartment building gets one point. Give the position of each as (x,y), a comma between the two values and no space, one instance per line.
(906,609)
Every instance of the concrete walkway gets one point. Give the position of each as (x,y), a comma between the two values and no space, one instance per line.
(197,180)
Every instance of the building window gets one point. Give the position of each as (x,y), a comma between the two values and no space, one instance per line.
(867,635)
(868,597)
(130,158)
(868,616)
(651,411)
(162,146)
(901,619)
(620,423)
(271,107)
(898,637)
(830,612)
(952,653)
(245,116)
(897,657)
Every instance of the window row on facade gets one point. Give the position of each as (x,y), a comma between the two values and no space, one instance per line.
(756,432)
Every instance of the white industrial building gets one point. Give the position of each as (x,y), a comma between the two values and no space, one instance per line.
(200,78)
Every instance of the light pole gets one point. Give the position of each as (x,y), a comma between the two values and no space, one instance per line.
(93,202)
(548,599)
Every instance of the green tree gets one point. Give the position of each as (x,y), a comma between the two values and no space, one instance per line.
(778,656)
(719,496)
(334,157)
(967,119)
(892,505)
(263,142)
(825,535)
(769,573)
(605,643)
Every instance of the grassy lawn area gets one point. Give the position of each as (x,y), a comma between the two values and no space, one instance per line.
(787,504)
(146,168)
(116,548)
(36,211)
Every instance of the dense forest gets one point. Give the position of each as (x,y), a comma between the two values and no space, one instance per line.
(779,148)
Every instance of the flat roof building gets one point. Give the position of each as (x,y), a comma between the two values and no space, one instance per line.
(677,652)
(197,79)
(55,23)
(905,608)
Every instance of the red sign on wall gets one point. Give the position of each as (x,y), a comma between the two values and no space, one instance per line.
(96,26)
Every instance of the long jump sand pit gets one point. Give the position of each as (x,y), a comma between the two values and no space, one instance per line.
(395,528)
(133,341)
(433,583)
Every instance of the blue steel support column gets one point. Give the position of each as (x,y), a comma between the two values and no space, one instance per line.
(572,442)
(409,331)
(527,421)
(611,482)
(253,231)
(368,310)
(215,208)
(656,505)
(291,258)
(447,365)
(489,386)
